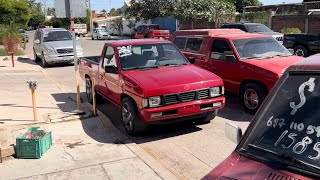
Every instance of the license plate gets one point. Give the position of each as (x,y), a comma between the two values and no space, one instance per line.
(66,58)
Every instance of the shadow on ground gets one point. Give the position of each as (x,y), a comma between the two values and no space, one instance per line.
(67,101)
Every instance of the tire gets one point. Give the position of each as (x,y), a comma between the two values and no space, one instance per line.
(252,96)
(36,58)
(301,51)
(44,62)
(89,90)
(130,118)
(92,38)
(207,119)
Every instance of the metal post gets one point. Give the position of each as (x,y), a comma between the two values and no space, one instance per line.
(91,22)
(12,59)
(33,87)
(75,61)
(94,102)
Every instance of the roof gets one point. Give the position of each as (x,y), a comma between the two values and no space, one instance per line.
(53,29)
(310,63)
(136,42)
(248,23)
(228,33)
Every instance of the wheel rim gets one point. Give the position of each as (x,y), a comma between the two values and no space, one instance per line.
(251,99)
(127,117)
(299,52)
(88,90)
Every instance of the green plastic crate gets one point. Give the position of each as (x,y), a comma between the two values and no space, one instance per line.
(33,148)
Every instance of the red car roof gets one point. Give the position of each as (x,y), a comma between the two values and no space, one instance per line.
(136,42)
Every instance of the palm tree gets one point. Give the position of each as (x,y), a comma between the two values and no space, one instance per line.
(116,24)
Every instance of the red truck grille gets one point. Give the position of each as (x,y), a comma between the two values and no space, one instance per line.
(186,96)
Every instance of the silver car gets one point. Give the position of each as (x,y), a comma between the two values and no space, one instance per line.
(54,45)
(100,33)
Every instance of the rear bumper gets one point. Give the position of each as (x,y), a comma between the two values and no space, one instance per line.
(61,58)
(183,110)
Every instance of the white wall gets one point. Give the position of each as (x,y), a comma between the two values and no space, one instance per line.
(126,30)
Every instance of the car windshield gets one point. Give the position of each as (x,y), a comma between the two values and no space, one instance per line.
(252,28)
(288,129)
(102,31)
(259,48)
(154,27)
(148,56)
(57,36)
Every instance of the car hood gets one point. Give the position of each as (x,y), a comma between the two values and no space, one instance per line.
(242,168)
(276,65)
(60,44)
(169,80)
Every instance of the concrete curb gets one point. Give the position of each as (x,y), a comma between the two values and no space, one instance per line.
(154,163)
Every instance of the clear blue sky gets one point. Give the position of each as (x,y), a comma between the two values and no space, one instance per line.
(105,4)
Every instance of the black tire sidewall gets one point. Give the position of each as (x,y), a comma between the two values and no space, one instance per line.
(89,100)
(44,62)
(261,92)
(138,126)
(305,52)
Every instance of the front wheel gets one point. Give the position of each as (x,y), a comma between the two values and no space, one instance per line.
(252,96)
(92,38)
(130,117)
(301,51)
(44,62)
(89,90)
(36,58)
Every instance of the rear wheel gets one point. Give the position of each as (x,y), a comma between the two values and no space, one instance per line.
(252,96)
(301,51)
(130,117)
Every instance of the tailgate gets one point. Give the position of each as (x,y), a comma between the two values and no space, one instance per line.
(161,33)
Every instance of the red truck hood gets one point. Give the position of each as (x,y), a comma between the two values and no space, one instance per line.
(276,64)
(168,80)
(242,168)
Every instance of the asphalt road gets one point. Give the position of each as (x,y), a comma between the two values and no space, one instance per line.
(189,150)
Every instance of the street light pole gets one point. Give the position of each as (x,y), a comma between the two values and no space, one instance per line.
(91,22)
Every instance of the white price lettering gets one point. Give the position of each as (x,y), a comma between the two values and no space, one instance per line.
(316,147)
(303,144)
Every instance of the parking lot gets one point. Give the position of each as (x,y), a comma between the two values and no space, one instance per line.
(188,150)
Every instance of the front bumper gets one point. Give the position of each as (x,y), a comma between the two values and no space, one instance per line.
(104,36)
(182,110)
(61,58)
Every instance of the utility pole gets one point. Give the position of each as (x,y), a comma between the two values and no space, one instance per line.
(91,21)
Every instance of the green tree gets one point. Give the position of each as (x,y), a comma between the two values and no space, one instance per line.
(117,24)
(103,10)
(51,11)
(113,12)
(14,11)
(37,18)
(240,4)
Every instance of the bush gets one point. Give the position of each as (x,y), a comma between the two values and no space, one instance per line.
(290,31)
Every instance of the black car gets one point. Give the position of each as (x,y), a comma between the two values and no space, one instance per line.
(303,44)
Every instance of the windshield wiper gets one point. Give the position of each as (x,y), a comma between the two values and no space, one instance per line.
(173,65)
(286,157)
(141,67)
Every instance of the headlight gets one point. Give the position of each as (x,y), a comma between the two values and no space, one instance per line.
(154,101)
(50,51)
(216,91)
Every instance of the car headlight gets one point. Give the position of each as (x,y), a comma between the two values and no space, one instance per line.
(216,91)
(50,51)
(154,101)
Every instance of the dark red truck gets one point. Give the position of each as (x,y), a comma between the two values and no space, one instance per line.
(152,82)
(153,31)
(249,64)
(283,139)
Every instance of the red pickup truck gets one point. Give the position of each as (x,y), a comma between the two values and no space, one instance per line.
(283,139)
(152,82)
(150,31)
(249,64)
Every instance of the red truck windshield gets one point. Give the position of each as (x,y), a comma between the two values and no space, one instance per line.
(149,56)
(259,48)
(288,129)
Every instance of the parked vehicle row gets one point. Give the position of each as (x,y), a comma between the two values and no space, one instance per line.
(100,33)
(153,31)
(303,44)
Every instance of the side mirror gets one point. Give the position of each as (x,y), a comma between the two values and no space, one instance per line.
(192,60)
(111,69)
(37,41)
(77,38)
(233,132)
(230,56)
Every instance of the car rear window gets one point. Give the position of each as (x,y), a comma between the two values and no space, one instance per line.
(193,44)
(180,42)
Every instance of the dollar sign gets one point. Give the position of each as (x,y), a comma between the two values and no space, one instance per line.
(311,85)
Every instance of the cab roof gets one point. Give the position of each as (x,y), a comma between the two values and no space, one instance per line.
(311,63)
(136,42)
(226,33)
(53,29)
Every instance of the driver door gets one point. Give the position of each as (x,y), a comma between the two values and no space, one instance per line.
(222,64)
(109,81)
